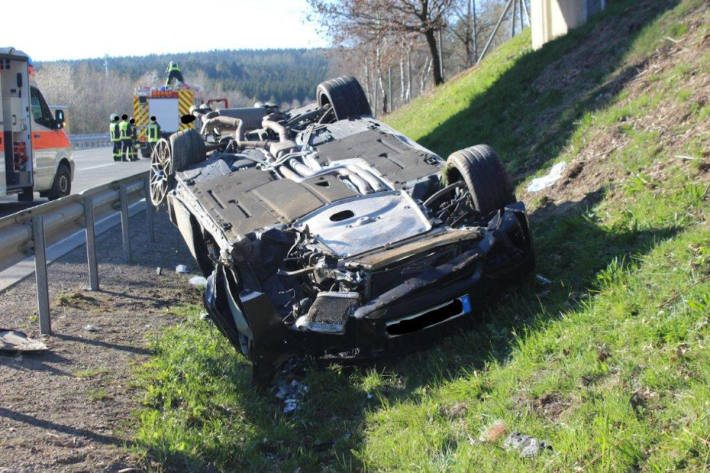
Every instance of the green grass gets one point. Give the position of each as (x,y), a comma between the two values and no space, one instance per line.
(99,394)
(91,372)
(610,363)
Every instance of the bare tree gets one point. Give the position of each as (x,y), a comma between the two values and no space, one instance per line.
(351,21)
(465,29)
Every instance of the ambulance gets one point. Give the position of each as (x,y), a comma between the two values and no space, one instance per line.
(35,153)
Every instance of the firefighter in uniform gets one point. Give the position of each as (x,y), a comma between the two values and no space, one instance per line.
(174,73)
(133,135)
(153,131)
(124,129)
(115,134)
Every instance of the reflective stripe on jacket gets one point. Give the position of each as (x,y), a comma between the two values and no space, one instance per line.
(153,130)
(114,132)
(123,128)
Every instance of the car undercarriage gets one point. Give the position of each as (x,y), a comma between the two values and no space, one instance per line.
(324,232)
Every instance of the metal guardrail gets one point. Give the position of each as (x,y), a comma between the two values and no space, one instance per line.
(30,231)
(89,141)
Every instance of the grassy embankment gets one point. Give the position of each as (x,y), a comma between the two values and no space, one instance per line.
(610,363)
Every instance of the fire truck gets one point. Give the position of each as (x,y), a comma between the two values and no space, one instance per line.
(167,104)
(35,154)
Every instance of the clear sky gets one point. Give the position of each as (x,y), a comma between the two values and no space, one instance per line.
(73,29)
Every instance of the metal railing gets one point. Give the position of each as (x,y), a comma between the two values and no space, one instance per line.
(89,141)
(31,231)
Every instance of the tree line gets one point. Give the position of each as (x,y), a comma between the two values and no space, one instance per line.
(95,88)
(398,49)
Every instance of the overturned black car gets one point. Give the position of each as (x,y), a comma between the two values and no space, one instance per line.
(324,232)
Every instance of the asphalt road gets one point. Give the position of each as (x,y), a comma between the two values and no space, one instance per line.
(92,167)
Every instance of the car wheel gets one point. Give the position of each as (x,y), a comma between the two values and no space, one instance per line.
(187,148)
(161,169)
(482,171)
(345,96)
(27,195)
(62,183)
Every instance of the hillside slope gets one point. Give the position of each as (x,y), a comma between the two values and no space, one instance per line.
(609,362)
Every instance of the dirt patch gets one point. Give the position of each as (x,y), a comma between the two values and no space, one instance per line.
(550,406)
(591,168)
(454,411)
(69,409)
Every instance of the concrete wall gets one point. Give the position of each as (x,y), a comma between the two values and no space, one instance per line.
(553,18)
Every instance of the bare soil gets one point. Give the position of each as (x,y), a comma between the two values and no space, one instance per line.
(589,171)
(69,409)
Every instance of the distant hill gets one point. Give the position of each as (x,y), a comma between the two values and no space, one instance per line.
(280,75)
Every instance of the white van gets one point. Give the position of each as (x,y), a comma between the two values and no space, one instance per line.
(35,153)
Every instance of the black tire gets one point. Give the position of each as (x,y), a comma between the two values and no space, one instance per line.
(145,151)
(26,195)
(346,97)
(62,183)
(187,148)
(482,171)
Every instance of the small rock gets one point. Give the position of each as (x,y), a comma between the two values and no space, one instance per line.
(182,269)
(90,328)
(454,411)
(526,445)
(204,316)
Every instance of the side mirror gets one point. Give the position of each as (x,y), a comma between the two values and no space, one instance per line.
(59,117)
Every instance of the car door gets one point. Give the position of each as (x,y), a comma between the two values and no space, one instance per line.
(47,139)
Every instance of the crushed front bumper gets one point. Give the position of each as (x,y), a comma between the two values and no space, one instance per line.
(408,315)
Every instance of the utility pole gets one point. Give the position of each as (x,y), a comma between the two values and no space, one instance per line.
(495,30)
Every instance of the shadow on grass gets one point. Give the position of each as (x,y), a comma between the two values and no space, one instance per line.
(571,248)
(530,112)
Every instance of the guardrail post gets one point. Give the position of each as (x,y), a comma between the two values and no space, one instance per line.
(149,209)
(90,233)
(45,327)
(124,223)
